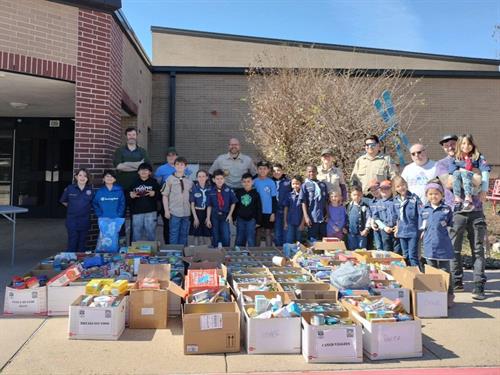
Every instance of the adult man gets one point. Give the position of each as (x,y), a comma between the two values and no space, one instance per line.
(448,143)
(471,221)
(372,166)
(128,158)
(234,164)
(418,173)
(166,170)
(331,175)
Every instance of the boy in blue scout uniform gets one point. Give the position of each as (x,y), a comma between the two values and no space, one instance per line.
(407,206)
(78,199)
(283,189)
(374,203)
(435,220)
(294,217)
(386,218)
(313,196)
(199,202)
(358,220)
(221,204)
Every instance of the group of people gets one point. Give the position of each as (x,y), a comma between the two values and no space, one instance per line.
(429,205)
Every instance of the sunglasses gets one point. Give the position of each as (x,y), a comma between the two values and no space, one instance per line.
(417,153)
(371,145)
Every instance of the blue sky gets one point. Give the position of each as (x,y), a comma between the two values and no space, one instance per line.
(449,27)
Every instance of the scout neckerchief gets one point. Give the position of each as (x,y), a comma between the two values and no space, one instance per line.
(203,196)
(317,189)
(220,199)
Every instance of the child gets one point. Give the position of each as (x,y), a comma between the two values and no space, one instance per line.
(199,204)
(386,218)
(374,202)
(407,206)
(144,197)
(221,204)
(267,191)
(293,215)
(313,199)
(467,157)
(247,212)
(337,217)
(435,220)
(283,189)
(176,204)
(358,220)
(78,199)
(109,206)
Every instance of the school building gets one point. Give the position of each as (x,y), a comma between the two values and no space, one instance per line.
(73,75)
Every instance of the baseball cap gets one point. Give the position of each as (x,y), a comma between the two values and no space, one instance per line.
(327,151)
(448,137)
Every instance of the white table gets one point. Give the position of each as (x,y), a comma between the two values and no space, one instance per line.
(5,211)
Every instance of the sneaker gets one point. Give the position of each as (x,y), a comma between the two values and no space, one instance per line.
(458,287)
(451,300)
(457,207)
(468,206)
(478,292)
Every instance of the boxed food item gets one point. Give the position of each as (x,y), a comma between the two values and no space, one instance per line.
(429,290)
(70,274)
(97,317)
(331,337)
(211,328)
(26,296)
(392,290)
(144,247)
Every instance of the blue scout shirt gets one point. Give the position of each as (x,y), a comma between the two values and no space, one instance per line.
(228,196)
(79,204)
(386,216)
(267,191)
(109,203)
(314,194)
(435,222)
(283,189)
(358,217)
(199,196)
(166,170)
(294,205)
(407,210)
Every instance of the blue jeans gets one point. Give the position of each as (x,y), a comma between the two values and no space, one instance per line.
(293,234)
(356,241)
(179,230)
(410,249)
(144,223)
(245,232)
(220,230)
(377,240)
(389,242)
(316,232)
(462,179)
(279,231)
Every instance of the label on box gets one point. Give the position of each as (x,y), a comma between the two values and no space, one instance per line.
(95,321)
(211,321)
(341,341)
(396,338)
(147,311)
(192,348)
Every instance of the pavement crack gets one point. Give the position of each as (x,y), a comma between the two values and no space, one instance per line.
(23,345)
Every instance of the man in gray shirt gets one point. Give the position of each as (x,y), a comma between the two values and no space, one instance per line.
(234,164)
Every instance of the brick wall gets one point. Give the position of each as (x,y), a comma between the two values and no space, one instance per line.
(98,93)
(158,135)
(450,106)
(39,29)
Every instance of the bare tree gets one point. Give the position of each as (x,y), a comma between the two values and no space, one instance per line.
(294,113)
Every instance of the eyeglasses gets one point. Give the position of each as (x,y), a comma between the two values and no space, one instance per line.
(371,145)
(417,153)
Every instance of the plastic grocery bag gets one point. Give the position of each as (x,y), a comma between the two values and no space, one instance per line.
(109,231)
(349,276)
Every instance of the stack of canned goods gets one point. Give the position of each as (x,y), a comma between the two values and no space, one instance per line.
(320,307)
(329,320)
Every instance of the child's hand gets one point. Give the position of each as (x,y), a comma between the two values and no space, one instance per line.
(395,229)
(271,218)
(345,231)
(208,223)
(150,193)
(364,232)
(229,219)
(196,222)
(375,227)
(285,226)
(307,221)
(482,196)
(388,230)
(301,227)
(133,194)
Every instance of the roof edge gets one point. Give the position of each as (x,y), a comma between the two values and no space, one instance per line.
(337,47)
(132,37)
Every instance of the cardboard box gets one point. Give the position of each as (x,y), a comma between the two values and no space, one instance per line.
(312,291)
(149,308)
(30,301)
(322,246)
(327,344)
(144,247)
(390,340)
(203,257)
(429,290)
(211,328)
(268,336)
(403,294)
(67,276)
(366,256)
(96,323)
(59,298)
